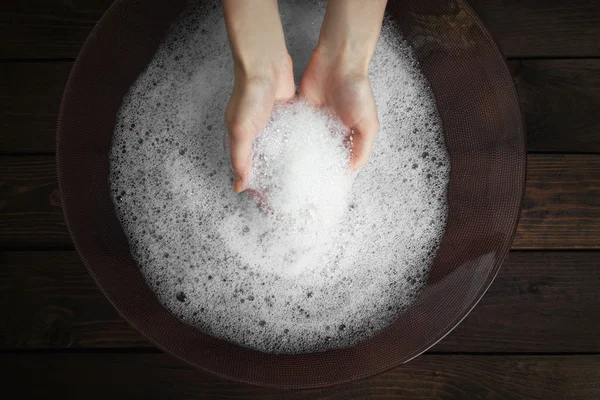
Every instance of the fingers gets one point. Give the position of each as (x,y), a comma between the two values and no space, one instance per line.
(365,128)
(350,96)
(240,139)
(246,115)
(362,141)
(249,109)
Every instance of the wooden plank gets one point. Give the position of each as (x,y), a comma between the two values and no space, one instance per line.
(539,302)
(30,96)
(523,28)
(562,203)
(47,29)
(559,99)
(101,376)
(550,28)
(30,211)
(50,301)
(561,208)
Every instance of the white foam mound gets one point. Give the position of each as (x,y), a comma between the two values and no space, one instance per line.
(327,260)
(301,178)
(301,163)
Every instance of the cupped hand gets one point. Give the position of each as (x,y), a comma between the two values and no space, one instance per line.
(254,95)
(336,76)
(344,87)
(263,75)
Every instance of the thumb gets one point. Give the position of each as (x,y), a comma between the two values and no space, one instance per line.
(246,115)
(241,136)
(362,141)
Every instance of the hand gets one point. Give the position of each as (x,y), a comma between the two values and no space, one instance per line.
(337,73)
(263,75)
(249,109)
(346,90)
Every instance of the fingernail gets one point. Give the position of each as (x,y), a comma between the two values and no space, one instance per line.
(238,184)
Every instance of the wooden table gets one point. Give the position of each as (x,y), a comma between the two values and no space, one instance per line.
(535,334)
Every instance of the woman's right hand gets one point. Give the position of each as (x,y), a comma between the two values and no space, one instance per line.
(263,75)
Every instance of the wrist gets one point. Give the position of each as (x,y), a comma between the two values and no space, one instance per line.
(256,37)
(266,69)
(344,58)
(350,32)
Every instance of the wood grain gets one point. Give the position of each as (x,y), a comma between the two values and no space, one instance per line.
(550,28)
(49,300)
(30,96)
(47,29)
(159,376)
(61,337)
(559,99)
(561,208)
(523,28)
(539,302)
(30,212)
(562,203)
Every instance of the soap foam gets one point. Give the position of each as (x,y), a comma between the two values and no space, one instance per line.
(326,259)
(301,177)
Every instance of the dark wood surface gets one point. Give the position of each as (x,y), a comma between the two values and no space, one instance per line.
(159,376)
(533,335)
(559,100)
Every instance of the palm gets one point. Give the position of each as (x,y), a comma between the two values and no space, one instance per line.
(349,95)
(248,112)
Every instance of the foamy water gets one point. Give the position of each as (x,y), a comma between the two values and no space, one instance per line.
(330,259)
